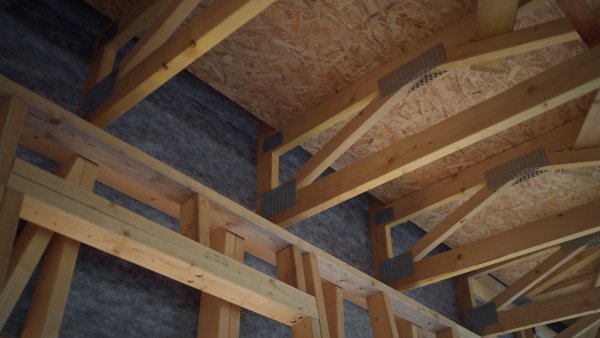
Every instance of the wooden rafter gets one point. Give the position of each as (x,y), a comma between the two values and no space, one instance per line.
(202,33)
(565,288)
(334,305)
(525,100)
(574,158)
(531,278)
(589,136)
(575,305)
(583,19)
(506,245)
(456,219)
(489,269)
(580,326)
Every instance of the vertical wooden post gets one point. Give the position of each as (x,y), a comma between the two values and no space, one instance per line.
(407,329)
(101,63)
(528,333)
(448,333)
(267,166)
(302,272)
(12,116)
(381,238)
(334,305)
(54,280)
(382,317)
(217,318)
(465,297)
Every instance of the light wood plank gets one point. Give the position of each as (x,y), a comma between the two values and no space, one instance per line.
(381,316)
(582,18)
(470,179)
(525,100)
(575,264)
(49,299)
(315,288)
(194,221)
(574,158)
(334,306)
(525,334)
(456,219)
(531,278)
(85,217)
(499,266)
(219,318)
(306,328)
(506,245)
(158,33)
(526,7)
(494,17)
(580,326)
(290,268)
(349,134)
(136,174)
(589,136)
(565,288)
(9,220)
(267,166)
(201,34)
(578,304)
(448,333)
(407,329)
(26,254)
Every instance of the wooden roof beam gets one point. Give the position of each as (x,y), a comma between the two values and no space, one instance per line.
(580,326)
(201,34)
(532,277)
(534,236)
(71,211)
(492,268)
(359,94)
(574,158)
(565,288)
(531,97)
(589,136)
(575,305)
(583,19)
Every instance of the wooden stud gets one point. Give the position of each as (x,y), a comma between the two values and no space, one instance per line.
(306,328)
(506,245)
(494,17)
(202,33)
(315,288)
(381,238)
(71,211)
(528,333)
(349,134)
(56,270)
(158,33)
(9,220)
(470,179)
(525,100)
(407,329)
(267,166)
(381,315)
(465,296)
(448,333)
(575,264)
(290,268)
(575,305)
(12,116)
(219,318)
(580,326)
(194,220)
(456,219)
(582,18)
(334,306)
(25,256)
(589,136)
(531,278)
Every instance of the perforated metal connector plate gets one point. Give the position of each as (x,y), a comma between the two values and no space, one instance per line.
(397,268)
(426,79)
(384,215)
(516,168)
(278,199)
(481,316)
(412,70)
(272,141)
(588,241)
(99,93)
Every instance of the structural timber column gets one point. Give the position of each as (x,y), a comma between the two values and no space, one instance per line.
(267,166)
(381,239)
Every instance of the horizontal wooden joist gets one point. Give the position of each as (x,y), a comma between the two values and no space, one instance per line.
(358,94)
(575,305)
(568,287)
(471,178)
(140,176)
(71,211)
(529,98)
(528,238)
(196,38)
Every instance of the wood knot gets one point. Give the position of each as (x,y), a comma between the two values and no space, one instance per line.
(54,121)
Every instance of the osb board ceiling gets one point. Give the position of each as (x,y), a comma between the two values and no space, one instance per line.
(297,53)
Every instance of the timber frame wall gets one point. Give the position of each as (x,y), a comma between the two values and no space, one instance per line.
(215,231)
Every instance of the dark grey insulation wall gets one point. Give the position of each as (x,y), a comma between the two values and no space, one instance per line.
(45,46)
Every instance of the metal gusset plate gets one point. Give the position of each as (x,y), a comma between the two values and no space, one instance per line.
(529,176)
(412,70)
(99,93)
(481,316)
(426,79)
(588,241)
(518,167)
(397,268)
(278,199)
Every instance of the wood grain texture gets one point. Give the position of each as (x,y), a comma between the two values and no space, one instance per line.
(382,317)
(582,18)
